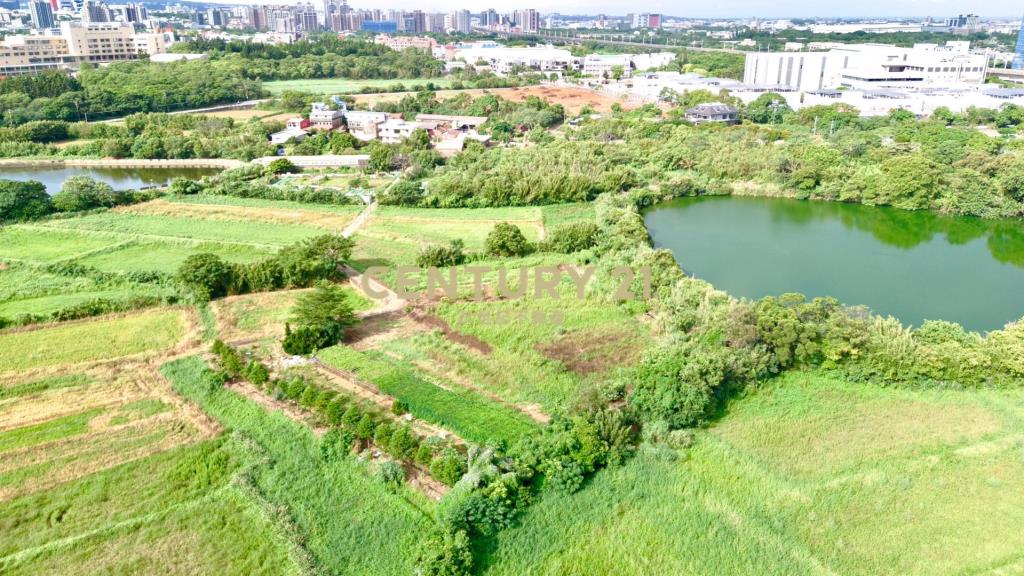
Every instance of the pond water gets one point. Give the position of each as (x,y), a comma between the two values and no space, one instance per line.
(911,265)
(119,178)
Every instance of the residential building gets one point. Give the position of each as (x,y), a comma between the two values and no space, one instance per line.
(646,20)
(395,130)
(363,124)
(528,21)
(295,129)
(400,43)
(41,13)
(94,11)
(713,112)
(453,122)
(462,22)
(322,117)
(502,60)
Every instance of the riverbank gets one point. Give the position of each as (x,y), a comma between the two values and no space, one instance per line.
(219,163)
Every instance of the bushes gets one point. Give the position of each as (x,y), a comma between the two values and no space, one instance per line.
(299,265)
(282,166)
(438,256)
(506,239)
(402,193)
(23,200)
(569,238)
(206,275)
(83,193)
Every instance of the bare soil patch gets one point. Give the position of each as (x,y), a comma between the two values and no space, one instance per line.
(588,353)
(327,220)
(573,99)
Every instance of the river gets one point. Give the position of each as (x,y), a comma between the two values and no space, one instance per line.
(911,265)
(119,178)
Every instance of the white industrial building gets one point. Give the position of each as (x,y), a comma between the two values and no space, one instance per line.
(868,66)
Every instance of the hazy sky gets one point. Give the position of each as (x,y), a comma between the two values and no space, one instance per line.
(727,8)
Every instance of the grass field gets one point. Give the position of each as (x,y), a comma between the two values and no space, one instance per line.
(92,340)
(333,218)
(811,475)
(167,256)
(41,245)
(395,235)
(347,86)
(162,226)
(171,513)
(469,415)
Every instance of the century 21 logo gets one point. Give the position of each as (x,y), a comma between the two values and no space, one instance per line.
(408,281)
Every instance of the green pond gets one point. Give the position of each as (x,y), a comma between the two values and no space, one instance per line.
(118,178)
(911,265)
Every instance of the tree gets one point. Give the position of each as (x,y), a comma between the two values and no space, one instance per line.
(23,200)
(282,166)
(206,275)
(617,72)
(447,553)
(314,259)
(326,308)
(506,239)
(83,193)
(769,107)
(382,157)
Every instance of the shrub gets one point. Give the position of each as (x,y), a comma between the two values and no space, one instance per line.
(439,256)
(23,200)
(391,474)
(205,275)
(335,444)
(305,340)
(282,166)
(313,259)
(257,373)
(184,187)
(569,238)
(506,239)
(402,193)
(403,442)
(83,193)
(399,407)
(448,467)
(447,553)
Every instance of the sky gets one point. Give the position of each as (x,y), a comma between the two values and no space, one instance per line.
(706,9)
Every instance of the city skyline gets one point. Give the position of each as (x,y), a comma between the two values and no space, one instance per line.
(734,9)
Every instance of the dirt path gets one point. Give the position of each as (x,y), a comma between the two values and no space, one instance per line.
(359,220)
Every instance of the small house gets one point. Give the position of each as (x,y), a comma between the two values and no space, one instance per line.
(713,112)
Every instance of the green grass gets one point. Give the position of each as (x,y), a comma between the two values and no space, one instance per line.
(350,523)
(464,412)
(91,340)
(347,86)
(55,429)
(558,214)
(154,226)
(167,256)
(139,410)
(810,475)
(395,235)
(42,385)
(216,200)
(47,304)
(172,513)
(41,245)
